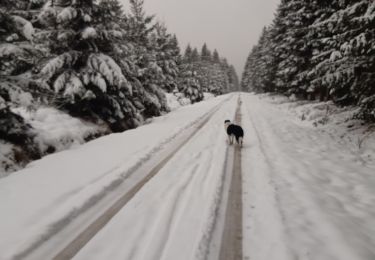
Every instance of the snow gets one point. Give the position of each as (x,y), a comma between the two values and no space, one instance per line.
(307,192)
(67,14)
(336,55)
(24,27)
(208,95)
(181,199)
(56,129)
(109,69)
(59,185)
(338,123)
(89,32)
(55,64)
(307,195)
(172,101)
(177,100)
(7,49)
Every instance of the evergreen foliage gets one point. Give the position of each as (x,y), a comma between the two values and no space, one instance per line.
(318,50)
(95,61)
(214,74)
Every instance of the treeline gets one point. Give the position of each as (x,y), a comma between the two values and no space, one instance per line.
(95,61)
(210,71)
(318,50)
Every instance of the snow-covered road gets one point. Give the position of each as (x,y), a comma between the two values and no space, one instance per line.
(304,195)
(174,215)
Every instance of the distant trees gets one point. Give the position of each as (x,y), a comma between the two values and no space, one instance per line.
(214,74)
(318,50)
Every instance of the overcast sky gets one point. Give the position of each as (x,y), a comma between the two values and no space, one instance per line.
(230,26)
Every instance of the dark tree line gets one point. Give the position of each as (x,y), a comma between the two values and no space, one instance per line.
(318,49)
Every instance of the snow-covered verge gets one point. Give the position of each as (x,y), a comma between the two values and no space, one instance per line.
(338,122)
(36,198)
(307,195)
(55,130)
(177,100)
(52,130)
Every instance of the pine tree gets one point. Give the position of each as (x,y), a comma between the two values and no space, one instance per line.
(149,93)
(205,53)
(188,54)
(318,49)
(167,56)
(17,57)
(216,57)
(86,79)
(195,55)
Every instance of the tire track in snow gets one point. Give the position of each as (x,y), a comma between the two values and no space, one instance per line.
(231,244)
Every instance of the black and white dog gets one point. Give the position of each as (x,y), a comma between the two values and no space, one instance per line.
(234,131)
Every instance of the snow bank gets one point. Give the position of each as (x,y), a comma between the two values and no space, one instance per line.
(55,130)
(338,122)
(208,96)
(177,100)
(310,192)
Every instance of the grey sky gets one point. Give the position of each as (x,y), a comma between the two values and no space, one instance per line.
(230,26)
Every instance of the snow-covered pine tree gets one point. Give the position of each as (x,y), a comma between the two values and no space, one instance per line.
(216,56)
(234,82)
(188,83)
(188,54)
(291,46)
(195,57)
(259,70)
(17,59)
(167,56)
(205,53)
(349,73)
(87,81)
(318,49)
(150,74)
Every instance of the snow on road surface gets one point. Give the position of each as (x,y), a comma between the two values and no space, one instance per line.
(174,215)
(38,200)
(306,196)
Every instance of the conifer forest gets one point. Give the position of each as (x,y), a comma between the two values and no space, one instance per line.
(318,50)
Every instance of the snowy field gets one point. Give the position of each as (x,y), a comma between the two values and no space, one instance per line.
(306,194)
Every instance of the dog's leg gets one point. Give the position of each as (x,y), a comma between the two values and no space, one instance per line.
(231,139)
(240,141)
